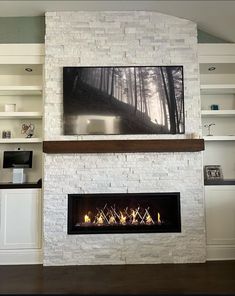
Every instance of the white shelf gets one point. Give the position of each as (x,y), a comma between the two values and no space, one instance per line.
(20,90)
(21,140)
(218,113)
(5,115)
(219,138)
(217,89)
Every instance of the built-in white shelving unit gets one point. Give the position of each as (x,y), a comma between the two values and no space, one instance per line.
(219,138)
(218,88)
(26,97)
(21,85)
(21,140)
(218,113)
(12,115)
(207,89)
(20,90)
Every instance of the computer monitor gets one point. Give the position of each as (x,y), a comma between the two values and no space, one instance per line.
(17,159)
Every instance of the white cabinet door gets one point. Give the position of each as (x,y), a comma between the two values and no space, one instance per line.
(20,220)
(220,215)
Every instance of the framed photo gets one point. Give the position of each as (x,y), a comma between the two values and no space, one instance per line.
(213,172)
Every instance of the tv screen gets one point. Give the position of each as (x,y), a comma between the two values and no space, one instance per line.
(17,159)
(123,100)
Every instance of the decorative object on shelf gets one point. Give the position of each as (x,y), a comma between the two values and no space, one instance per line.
(213,172)
(28,130)
(6,134)
(208,126)
(10,107)
(214,107)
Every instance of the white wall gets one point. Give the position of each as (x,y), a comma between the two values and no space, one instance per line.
(121,38)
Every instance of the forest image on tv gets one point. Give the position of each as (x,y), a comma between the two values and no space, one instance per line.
(123,100)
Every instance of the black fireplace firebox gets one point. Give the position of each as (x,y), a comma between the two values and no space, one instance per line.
(124,213)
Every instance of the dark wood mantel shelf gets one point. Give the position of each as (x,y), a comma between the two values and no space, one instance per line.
(123,146)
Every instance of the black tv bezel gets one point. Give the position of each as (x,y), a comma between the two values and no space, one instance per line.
(20,166)
(129,66)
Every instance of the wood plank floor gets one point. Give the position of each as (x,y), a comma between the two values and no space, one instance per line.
(211,278)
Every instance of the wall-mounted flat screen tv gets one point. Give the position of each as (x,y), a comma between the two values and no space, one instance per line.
(17,159)
(123,100)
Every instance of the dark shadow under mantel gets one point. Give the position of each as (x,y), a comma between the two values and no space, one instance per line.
(124,146)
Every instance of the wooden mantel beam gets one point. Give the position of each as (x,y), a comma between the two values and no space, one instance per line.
(124,146)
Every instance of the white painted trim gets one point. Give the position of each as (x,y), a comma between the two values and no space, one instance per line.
(216,59)
(216,53)
(19,60)
(219,138)
(217,89)
(21,140)
(217,113)
(22,53)
(24,256)
(31,89)
(4,115)
(31,49)
(220,252)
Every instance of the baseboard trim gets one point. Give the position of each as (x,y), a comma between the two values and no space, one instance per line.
(220,252)
(24,256)
(35,256)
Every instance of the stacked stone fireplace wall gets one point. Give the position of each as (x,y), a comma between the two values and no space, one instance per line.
(107,39)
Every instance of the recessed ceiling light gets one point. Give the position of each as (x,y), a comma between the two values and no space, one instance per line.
(28,69)
(211,69)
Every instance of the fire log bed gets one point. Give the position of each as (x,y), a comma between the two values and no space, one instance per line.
(110,216)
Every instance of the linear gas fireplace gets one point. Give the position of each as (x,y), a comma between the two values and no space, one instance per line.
(124,213)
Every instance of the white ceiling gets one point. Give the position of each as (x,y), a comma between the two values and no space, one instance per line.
(214,17)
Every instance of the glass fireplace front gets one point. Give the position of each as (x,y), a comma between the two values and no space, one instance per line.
(124,213)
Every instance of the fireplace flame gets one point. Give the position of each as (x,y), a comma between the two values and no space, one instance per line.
(112,220)
(87,219)
(100,219)
(128,216)
(122,219)
(149,219)
(159,218)
(133,215)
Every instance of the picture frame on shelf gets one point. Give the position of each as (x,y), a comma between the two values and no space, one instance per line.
(213,172)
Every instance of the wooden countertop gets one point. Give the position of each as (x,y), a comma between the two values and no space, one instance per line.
(4,185)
